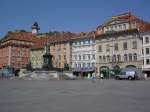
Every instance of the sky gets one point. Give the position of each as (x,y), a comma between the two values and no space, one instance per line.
(65,15)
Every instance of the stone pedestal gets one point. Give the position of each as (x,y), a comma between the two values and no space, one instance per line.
(47,61)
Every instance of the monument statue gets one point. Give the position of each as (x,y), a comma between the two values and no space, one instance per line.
(47,58)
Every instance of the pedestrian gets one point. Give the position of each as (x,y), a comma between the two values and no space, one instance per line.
(102,76)
(93,77)
(145,75)
(89,76)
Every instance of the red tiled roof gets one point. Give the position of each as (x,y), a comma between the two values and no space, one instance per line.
(60,37)
(22,36)
(118,32)
(142,25)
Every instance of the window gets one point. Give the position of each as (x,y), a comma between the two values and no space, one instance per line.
(88,64)
(59,64)
(147,50)
(76,65)
(125,46)
(91,41)
(134,44)
(83,65)
(130,57)
(59,57)
(64,57)
(93,56)
(93,64)
(147,61)
(114,58)
(120,26)
(124,26)
(79,65)
(86,42)
(100,58)
(23,51)
(135,57)
(108,58)
(84,57)
(75,57)
(100,48)
(107,48)
(118,58)
(146,40)
(125,57)
(104,59)
(88,56)
(79,57)
(116,46)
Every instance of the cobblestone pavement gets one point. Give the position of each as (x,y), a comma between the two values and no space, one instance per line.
(75,96)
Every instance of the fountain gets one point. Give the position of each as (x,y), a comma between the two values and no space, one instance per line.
(47,72)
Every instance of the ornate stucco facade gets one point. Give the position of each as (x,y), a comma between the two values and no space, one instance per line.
(146,52)
(83,54)
(119,44)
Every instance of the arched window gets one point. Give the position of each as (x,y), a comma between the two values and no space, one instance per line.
(100,59)
(135,57)
(134,45)
(108,58)
(125,57)
(114,58)
(130,57)
(118,57)
(104,59)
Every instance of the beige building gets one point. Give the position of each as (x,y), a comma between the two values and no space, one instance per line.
(59,48)
(36,57)
(118,43)
(37,52)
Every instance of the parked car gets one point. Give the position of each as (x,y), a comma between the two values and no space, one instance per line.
(131,75)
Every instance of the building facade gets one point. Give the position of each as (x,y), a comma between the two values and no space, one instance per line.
(83,55)
(37,52)
(60,50)
(146,52)
(36,57)
(118,43)
(15,49)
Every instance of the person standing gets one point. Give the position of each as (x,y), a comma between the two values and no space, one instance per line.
(145,75)
(93,77)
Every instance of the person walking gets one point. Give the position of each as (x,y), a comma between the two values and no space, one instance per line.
(102,76)
(93,77)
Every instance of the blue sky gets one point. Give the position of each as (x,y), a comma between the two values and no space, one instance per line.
(65,15)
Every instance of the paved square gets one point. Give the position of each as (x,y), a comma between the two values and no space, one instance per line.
(74,96)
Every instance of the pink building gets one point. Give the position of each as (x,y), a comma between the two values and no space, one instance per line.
(15,49)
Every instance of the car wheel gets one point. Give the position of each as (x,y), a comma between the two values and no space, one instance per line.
(130,78)
(118,78)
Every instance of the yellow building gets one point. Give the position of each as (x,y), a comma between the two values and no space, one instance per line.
(59,48)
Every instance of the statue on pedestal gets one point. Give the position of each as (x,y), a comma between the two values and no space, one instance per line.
(47,58)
